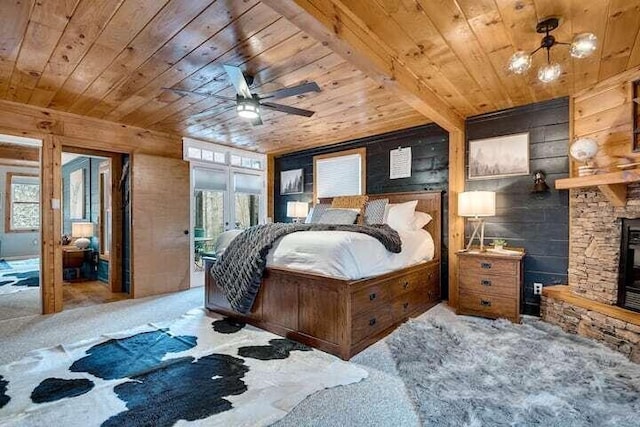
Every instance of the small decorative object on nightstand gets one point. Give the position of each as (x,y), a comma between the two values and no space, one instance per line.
(490,283)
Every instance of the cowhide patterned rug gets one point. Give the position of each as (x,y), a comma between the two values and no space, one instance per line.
(19,275)
(196,370)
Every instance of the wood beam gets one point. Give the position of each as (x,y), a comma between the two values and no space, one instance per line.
(17,152)
(336,27)
(456,223)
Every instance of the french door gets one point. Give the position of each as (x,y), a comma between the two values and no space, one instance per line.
(223,198)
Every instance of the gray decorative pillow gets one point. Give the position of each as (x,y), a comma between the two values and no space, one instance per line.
(318,210)
(339,216)
(374,211)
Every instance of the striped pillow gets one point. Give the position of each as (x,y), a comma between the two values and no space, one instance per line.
(374,211)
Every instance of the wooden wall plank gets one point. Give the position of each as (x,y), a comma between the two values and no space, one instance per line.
(87,23)
(622,25)
(13,25)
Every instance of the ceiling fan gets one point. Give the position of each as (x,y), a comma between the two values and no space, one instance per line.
(248,105)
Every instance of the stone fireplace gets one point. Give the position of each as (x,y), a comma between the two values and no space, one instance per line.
(589,304)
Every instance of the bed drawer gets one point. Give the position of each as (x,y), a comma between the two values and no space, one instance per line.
(487,305)
(369,324)
(407,303)
(407,284)
(369,298)
(489,284)
(480,265)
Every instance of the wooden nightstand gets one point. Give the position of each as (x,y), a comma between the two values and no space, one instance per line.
(490,284)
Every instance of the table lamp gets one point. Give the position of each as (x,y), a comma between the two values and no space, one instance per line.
(475,205)
(82,231)
(297,210)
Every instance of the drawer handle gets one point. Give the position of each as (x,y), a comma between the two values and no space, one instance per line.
(405,285)
(372,321)
(485,282)
(405,305)
(485,265)
(372,296)
(485,303)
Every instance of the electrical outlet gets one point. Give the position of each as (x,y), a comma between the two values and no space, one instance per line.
(537,288)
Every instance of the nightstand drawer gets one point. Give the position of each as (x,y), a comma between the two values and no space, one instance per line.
(489,284)
(487,265)
(478,304)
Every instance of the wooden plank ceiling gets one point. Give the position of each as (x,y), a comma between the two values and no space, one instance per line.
(110,59)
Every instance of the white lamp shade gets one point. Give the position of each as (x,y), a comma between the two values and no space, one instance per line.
(297,209)
(477,203)
(82,229)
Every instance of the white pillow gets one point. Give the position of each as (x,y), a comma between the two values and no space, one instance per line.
(420,219)
(400,215)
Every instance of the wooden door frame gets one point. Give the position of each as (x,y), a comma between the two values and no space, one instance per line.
(115,248)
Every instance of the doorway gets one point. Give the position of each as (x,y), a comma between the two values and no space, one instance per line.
(20,264)
(92,231)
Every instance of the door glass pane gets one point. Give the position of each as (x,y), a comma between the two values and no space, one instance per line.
(209,219)
(247,210)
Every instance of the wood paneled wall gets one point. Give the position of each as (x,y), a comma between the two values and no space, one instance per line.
(539,223)
(604,112)
(56,130)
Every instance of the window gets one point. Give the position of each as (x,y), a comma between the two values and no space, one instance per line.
(340,174)
(247,190)
(23,203)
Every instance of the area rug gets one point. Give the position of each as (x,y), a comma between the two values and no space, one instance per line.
(193,371)
(463,371)
(19,275)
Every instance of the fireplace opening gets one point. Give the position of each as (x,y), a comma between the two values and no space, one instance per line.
(629,282)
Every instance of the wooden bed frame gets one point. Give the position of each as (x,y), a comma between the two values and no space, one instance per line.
(343,317)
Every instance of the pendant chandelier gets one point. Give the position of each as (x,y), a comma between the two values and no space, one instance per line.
(581,46)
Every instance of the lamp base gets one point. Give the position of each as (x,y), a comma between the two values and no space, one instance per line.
(479,225)
(82,243)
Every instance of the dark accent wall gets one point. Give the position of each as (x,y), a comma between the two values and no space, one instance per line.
(539,223)
(91,167)
(429,169)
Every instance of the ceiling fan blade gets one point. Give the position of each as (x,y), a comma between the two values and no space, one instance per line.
(292,91)
(256,122)
(287,109)
(189,92)
(238,80)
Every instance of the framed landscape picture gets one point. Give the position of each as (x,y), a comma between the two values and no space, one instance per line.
(291,181)
(499,157)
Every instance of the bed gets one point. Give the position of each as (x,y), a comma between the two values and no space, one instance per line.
(343,316)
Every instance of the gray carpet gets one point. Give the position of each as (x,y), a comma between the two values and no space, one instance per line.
(20,304)
(463,371)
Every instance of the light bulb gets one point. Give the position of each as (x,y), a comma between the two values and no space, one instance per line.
(583,45)
(520,62)
(549,72)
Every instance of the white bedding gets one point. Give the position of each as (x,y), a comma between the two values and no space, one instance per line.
(348,255)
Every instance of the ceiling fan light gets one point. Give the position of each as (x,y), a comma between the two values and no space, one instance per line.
(549,72)
(520,62)
(248,109)
(583,45)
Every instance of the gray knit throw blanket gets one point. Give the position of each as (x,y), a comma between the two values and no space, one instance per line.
(238,272)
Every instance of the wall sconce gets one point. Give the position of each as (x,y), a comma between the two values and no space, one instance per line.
(539,185)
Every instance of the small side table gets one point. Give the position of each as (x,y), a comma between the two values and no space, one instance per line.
(74,258)
(490,284)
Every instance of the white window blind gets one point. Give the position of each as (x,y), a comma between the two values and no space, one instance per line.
(208,179)
(338,176)
(245,183)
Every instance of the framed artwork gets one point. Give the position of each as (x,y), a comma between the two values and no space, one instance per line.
(291,181)
(499,157)
(76,194)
